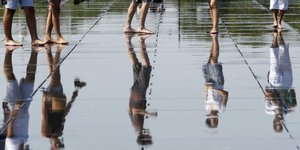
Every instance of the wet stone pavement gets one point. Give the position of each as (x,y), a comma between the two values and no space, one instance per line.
(177,67)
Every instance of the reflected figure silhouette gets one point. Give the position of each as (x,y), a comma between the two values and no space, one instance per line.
(280,97)
(157,6)
(54,101)
(138,100)
(17,100)
(216,96)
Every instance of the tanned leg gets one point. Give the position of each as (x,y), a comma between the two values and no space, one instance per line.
(280,17)
(214,16)
(275,15)
(49,26)
(7,25)
(144,12)
(31,23)
(56,22)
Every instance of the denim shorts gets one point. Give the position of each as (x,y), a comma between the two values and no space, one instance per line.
(13,4)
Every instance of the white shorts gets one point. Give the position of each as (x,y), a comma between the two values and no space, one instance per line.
(279,4)
(13,4)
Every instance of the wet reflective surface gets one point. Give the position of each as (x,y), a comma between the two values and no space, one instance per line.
(107,90)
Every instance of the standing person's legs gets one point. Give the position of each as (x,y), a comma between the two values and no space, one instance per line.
(144,12)
(214,16)
(31,23)
(131,11)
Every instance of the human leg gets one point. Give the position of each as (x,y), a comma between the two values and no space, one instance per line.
(49,26)
(283,5)
(274,6)
(280,17)
(144,55)
(131,11)
(55,9)
(214,13)
(275,15)
(31,23)
(7,25)
(143,15)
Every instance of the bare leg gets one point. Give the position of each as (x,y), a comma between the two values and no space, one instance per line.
(280,17)
(7,25)
(131,11)
(49,26)
(31,23)
(31,67)
(144,12)
(214,51)
(55,21)
(214,16)
(131,53)
(144,54)
(275,14)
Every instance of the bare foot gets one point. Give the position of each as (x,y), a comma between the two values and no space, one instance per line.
(280,26)
(37,42)
(61,40)
(12,43)
(275,25)
(213,31)
(10,48)
(128,29)
(49,40)
(144,31)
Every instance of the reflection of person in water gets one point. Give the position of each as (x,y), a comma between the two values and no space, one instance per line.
(54,106)
(137,100)
(216,96)
(157,6)
(280,96)
(17,100)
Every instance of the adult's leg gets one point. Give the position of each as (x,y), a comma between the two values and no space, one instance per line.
(214,16)
(280,17)
(275,15)
(31,23)
(143,15)
(7,25)
(131,11)
(49,26)
(55,9)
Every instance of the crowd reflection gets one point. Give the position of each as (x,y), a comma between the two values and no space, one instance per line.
(54,101)
(17,101)
(216,96)
(280,97)
(138,100)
